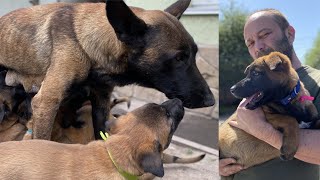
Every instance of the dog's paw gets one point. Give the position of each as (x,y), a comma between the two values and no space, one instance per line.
(287,153)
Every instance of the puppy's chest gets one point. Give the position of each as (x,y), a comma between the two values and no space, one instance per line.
(298,112)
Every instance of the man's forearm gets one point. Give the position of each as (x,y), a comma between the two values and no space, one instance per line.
(308,150)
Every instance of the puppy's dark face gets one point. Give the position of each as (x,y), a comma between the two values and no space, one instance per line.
(150,129)
(269,78)
(162,53)
(10,99)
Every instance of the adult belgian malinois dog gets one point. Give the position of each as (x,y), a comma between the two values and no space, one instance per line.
(53,48)
(273,84)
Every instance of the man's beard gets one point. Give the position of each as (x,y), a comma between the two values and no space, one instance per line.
(282,46)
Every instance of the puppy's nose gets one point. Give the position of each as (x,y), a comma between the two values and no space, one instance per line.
(232,89)
(170,104)
(175,108)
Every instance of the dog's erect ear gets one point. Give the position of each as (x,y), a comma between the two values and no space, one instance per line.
(127,26)
(178,8)
(152,163)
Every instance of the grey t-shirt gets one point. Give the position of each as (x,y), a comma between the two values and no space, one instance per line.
(295,169)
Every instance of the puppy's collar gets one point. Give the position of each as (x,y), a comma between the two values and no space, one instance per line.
(125,174)
(293,94)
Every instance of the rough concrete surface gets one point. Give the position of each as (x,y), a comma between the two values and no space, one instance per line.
(205,169)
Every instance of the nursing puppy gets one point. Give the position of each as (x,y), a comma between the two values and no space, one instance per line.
(136,144)
(273,84)
(58,46)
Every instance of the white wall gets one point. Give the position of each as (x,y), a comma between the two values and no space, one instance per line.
(9,5)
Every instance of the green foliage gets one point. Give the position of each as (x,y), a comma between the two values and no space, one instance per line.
(233,53)
(312,57)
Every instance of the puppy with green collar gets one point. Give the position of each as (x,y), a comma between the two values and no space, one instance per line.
(135,147)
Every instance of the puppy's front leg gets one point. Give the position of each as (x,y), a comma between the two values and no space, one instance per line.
(290,129)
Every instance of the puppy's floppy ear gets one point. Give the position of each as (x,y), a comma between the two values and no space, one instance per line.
(149,159)
(152,163)
(178,8)
(127,26)
(276,61)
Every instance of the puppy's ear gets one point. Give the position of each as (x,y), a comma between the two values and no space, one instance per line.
(149,159)
(127,26)
(276,61)
(247,69)
(152,163)
(178,8)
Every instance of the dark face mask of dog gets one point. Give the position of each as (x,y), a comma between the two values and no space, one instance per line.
(267,81)
(163,54)
(157,123)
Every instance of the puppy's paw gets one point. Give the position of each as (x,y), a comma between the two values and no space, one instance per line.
(287,152)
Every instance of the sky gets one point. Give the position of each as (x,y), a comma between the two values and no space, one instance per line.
(303,15)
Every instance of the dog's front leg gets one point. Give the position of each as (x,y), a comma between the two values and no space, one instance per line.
(100,100)
(290,129)
(45,104)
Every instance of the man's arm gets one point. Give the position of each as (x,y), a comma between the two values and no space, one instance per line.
(254,123)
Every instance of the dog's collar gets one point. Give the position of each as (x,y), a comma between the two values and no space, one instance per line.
(125,174)
(293,94)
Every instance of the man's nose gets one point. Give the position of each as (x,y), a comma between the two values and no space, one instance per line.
(259,46)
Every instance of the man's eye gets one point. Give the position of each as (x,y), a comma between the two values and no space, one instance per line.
(265,35)
(249,44)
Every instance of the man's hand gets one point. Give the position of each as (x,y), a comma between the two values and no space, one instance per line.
(228,167)
(251,121)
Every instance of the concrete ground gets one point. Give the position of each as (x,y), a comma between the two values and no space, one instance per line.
(205,169)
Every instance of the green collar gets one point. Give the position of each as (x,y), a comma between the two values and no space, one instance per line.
(125,174)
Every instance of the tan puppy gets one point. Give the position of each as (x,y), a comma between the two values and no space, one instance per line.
(136,144)
(58,46)
(269,79)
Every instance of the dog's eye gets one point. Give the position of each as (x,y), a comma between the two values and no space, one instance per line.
(168,114)
(256,73)
(179,57)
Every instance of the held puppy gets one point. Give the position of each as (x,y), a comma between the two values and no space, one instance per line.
(136,144)
(57,46)
(273,84)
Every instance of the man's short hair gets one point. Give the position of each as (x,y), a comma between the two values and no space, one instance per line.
(279,18)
